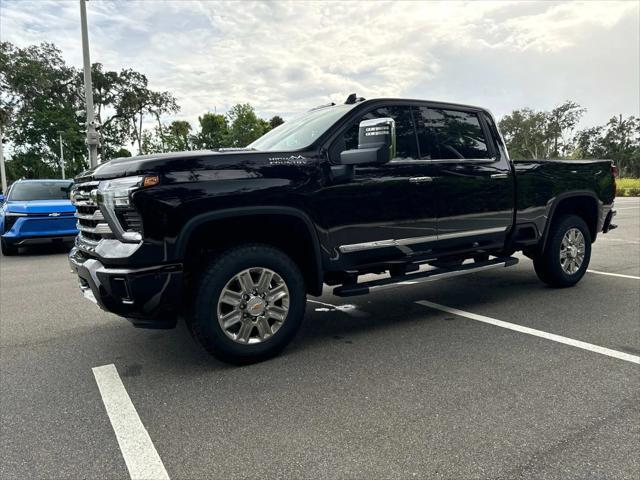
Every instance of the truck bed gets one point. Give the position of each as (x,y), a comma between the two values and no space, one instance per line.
(539,183)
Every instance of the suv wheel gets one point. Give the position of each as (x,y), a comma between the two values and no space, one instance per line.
(7,248)
(566,258)
(249,304)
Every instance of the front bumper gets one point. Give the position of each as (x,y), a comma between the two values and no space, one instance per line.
(149,297)
(36,229)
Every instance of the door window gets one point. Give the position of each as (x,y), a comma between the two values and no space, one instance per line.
(406,144)
(450,134)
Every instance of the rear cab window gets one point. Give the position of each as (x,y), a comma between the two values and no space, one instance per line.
(447,134)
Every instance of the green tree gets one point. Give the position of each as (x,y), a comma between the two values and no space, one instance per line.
(265,125)
(177,136)
(524,132)
(41,96)
(540,134)
(561,122)
(275,121)
(136,101)
(40,93)
(121,153)
(214,131)
(245,126)
(618,140)
(151,141)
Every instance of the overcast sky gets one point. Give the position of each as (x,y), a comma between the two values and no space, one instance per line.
(287,57)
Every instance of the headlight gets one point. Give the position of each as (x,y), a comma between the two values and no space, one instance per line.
(114,199)
(115,193)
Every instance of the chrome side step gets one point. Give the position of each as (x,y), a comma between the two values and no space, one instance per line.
(420,277)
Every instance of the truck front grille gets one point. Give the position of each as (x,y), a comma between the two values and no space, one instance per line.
(91,223)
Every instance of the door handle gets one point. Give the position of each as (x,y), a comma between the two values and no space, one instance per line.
(420,179)
(500,175)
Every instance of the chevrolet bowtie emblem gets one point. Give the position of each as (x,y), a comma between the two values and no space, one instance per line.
(54,214)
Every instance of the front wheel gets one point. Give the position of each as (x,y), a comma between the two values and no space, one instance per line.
(249,304)
(566,257)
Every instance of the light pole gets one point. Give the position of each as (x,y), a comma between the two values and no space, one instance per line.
(61,154)
(3,174)
(93,139)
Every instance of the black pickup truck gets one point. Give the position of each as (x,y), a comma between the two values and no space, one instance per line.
(235,239)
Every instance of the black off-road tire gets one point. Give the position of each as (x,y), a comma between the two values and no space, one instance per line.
(204,318)
(547,264)
(8,249)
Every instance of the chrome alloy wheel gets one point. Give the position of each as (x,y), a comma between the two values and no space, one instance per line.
(572,251)
(253,305)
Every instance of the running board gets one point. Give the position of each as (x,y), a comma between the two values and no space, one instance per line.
(426,276)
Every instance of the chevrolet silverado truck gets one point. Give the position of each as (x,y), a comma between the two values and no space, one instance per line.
(234,240)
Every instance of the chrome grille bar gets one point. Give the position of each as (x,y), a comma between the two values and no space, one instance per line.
(91,222)
(99,229)
(95,216)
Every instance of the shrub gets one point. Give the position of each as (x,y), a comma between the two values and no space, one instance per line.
(628,187)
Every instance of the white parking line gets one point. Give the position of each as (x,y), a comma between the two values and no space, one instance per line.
(138,451)
(537,333)
(614,274)
(619,240)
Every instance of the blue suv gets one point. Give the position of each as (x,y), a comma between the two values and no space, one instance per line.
(36,211)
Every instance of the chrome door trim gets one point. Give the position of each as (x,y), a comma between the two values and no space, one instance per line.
(357,247)
(470,233)
(421,179)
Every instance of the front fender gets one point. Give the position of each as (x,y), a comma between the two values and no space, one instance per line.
(184,236)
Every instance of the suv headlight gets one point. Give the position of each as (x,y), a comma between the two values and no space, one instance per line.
(114,200)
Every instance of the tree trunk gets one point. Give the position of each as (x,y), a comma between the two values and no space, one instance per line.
(140,134)
(164,149)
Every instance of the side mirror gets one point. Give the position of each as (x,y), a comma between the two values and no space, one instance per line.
(376,143)
(1,198)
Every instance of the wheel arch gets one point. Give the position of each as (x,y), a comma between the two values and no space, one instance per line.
(585,204)
(260,224)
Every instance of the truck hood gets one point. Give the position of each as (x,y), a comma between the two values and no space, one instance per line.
(36,207)
(175,161)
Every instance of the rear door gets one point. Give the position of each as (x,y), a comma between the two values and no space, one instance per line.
(475,198)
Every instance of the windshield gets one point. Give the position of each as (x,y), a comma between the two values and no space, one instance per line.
(301,131)
(25,191)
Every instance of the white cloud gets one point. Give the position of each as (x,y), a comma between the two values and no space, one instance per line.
(286,57)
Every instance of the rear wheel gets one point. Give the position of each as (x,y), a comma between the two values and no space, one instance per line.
(568,252)
(7,248)
(249,304)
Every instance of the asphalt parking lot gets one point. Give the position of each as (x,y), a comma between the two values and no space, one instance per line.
(378,386)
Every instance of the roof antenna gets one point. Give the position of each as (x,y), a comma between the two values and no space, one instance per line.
(351,99)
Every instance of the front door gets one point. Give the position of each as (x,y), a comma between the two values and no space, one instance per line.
(383,206)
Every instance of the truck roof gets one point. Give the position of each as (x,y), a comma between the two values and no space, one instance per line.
(420,100)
